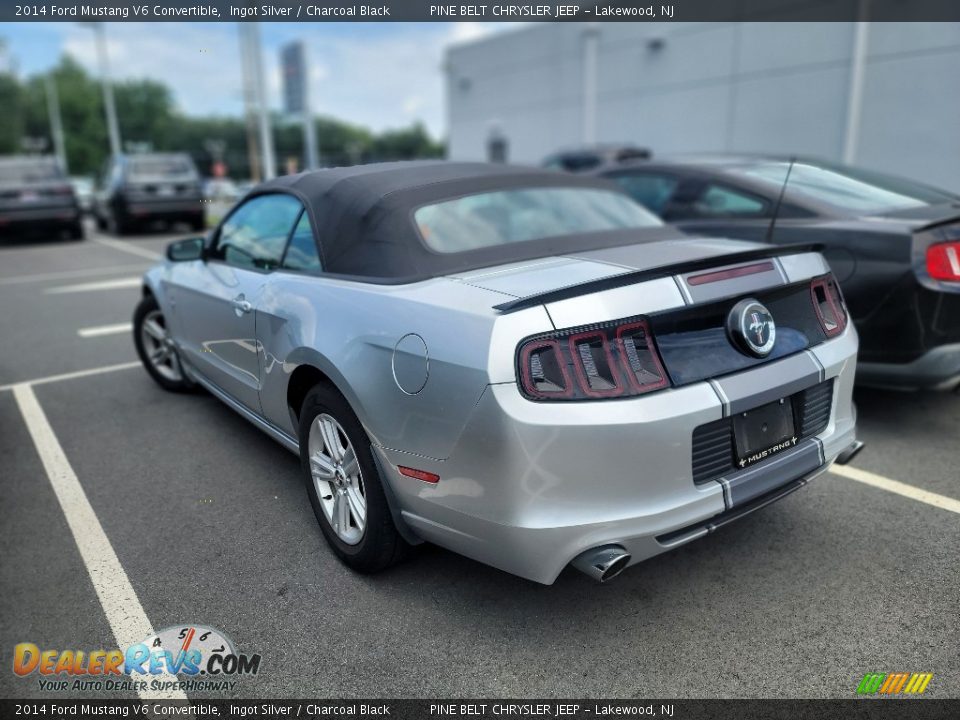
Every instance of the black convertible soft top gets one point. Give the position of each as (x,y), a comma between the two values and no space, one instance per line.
(364,224)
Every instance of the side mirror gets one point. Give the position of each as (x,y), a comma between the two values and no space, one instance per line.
(186,250)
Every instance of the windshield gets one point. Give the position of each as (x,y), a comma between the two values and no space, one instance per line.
(161,167)
(856,191)
(511,216)
(27,171)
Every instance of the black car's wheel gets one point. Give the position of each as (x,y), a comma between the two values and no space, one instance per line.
(101,222)
(198,223)
(156,349)
(76,231)
(343,484)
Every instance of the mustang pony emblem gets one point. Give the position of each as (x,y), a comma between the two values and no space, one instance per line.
(751,328)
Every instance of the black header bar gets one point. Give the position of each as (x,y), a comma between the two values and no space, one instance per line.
(449,709)
(505,11)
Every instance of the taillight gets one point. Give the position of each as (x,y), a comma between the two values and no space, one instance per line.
(828,303)
(943,261)
(603,361)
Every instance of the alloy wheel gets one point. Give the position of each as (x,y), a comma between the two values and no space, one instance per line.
(159,347)
(337,478)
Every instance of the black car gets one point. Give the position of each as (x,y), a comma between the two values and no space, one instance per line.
(36,197)
(894,245)
(137,190)
(593,156)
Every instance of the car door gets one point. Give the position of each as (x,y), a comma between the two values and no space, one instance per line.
(216,299)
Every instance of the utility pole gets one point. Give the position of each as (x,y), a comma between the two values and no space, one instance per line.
(858,67)
(113,128)
(253,64)
(56,126)
(249,112)
(591,39)
(296,97)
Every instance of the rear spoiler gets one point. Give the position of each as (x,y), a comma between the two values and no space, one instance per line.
(654,273)
(948,220)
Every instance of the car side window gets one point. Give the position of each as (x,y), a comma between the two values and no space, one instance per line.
(651,191)
(302,251)
(723,201)
(255,234)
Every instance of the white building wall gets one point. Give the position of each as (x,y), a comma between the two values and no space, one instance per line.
(717,87)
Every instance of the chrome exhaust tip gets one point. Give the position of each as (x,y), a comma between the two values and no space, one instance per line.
(850,453)
(602,563)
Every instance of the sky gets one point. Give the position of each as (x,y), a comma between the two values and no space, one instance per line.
(378,75)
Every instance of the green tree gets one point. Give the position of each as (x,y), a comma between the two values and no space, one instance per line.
(147,115)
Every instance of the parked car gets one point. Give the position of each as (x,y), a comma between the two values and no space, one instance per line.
(593,156)
(36,197)
(523,366)
(140,189)
(893,244)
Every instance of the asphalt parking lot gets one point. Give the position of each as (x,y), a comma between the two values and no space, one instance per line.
(210,524)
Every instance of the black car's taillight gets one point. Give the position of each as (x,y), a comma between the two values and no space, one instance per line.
(612,360)
(943,261)
(828,302)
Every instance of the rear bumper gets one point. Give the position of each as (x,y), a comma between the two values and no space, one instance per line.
(173,208)
(530,486)
(60,215)
(937,369)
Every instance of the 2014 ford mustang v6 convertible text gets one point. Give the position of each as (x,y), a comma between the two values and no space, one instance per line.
(521,366)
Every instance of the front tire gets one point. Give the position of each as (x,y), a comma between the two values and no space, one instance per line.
(151,336)
(343,484)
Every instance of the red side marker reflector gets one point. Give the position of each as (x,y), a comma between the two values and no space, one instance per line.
(419,474)
(730,273)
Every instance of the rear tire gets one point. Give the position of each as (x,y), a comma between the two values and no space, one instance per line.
(352,483)
(155,347)
(76,231)
(198,223)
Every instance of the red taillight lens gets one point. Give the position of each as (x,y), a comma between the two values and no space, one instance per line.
(607,361)
(943,261)
(828,303)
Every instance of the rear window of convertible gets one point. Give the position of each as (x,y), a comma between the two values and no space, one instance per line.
(518,215)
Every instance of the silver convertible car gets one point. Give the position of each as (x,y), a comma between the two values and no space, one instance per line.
(524,367)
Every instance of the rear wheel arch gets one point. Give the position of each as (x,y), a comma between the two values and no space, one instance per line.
(302,380)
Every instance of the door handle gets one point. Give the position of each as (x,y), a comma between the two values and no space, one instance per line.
(241,305)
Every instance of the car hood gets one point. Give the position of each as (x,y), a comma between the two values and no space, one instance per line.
(545,274)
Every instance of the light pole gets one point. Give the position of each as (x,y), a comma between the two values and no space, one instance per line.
(113,129)
(253,64)
(591,39)
(56,126)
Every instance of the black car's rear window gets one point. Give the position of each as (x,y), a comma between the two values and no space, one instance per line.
(847,189)
(519,215)
(26,171)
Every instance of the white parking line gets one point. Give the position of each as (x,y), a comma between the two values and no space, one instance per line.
(101,330)
(895,486)
(73,375)
(67,274)
(126,616)
(128,248)
(118,284)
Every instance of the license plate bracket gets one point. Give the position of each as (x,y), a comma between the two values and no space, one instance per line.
(763,432)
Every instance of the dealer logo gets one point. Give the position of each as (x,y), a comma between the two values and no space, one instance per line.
(751,328)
